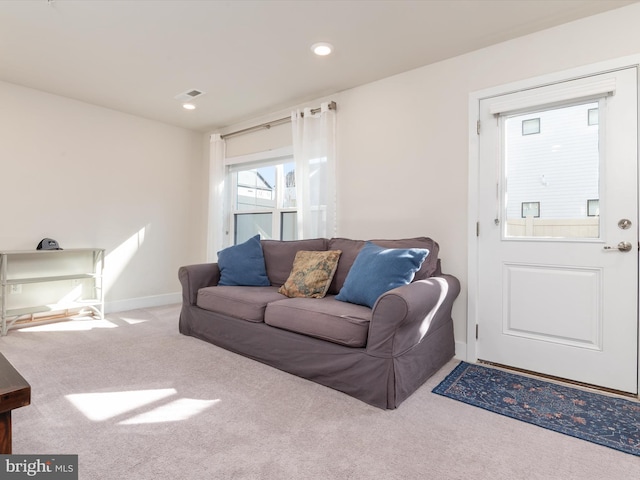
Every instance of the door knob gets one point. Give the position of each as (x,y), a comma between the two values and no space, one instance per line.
(624,223)
(622,246)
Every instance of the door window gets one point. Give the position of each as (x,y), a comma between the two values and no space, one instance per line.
(552,173)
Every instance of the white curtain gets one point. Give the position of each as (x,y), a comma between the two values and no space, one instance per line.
(217,226)
(314,154)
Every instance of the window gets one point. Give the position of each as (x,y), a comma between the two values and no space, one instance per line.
(592,116)
(256,193)
(530,209)
(553,178)
(263,198)
(531,126)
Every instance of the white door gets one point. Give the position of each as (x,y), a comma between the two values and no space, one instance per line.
(558,230)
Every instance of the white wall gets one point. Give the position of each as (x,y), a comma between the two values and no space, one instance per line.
(92,177)
(88,176)
(403,141)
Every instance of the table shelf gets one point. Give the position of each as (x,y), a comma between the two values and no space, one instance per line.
(37,270)
(57,278)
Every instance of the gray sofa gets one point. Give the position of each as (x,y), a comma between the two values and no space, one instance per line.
(379,355)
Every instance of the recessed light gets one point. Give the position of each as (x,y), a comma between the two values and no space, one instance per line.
(322,48)
(188,106)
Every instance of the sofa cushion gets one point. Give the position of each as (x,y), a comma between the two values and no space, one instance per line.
(243,264)
(311,274)
(377,270)
(325,318)
(350,249)
(246,303)
(429,266)
(279,256)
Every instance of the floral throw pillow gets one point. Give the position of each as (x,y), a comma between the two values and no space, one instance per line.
(311,274)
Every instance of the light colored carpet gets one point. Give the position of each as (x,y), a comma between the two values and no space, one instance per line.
(137,400)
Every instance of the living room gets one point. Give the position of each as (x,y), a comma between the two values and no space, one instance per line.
(89,175)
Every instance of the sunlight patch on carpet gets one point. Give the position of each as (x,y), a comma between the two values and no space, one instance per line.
(133,321)
(105,405)
(181,409)
(70,325)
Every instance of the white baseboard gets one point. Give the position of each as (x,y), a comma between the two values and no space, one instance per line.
(142,302)
(461,351)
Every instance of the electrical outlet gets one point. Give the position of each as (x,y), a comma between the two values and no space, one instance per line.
(16,288)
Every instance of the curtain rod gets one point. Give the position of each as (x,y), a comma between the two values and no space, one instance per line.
(273,123)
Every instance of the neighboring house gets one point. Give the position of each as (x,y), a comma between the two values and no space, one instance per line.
(264,202)
(552,164)
(254,191)
(544,152)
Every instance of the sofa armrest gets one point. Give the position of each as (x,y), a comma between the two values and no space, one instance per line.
(195,277)
(402,317)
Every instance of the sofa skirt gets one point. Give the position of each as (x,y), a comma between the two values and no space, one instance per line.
(384,382)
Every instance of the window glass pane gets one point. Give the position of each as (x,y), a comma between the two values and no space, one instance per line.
(256,188)
(250,224)
(530,209)
(531,126)
(289,197)
(289,226)
(551,176)
(264,199)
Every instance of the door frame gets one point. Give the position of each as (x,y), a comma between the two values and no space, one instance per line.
(474,165)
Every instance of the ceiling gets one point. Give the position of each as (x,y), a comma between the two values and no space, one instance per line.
(250,57)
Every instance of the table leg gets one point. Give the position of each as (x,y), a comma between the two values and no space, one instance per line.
(5,433)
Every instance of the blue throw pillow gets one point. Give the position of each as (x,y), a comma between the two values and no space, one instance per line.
(243,264)
(377,270)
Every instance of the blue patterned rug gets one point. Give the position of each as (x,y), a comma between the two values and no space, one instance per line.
(609,421)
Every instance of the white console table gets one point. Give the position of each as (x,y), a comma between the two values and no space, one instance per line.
(40,281)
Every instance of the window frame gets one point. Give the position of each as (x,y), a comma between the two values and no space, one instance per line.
(259,159)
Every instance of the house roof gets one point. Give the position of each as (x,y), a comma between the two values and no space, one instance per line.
(250,57)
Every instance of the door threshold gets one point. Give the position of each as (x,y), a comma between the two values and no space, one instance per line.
(561,380)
